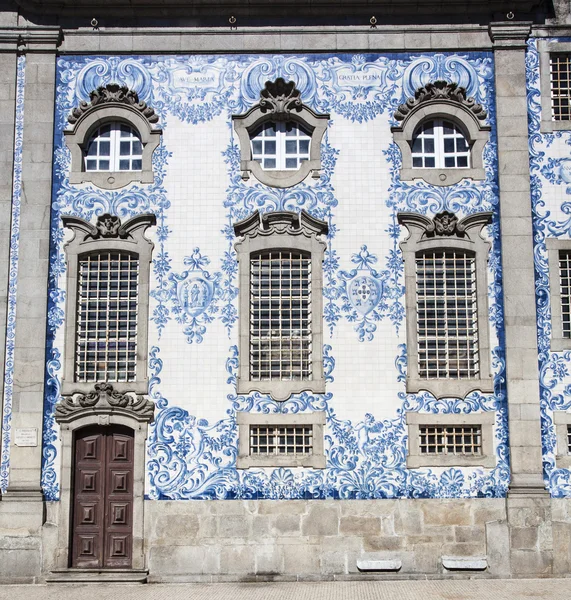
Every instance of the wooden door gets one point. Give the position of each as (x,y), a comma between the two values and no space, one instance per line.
(102,535)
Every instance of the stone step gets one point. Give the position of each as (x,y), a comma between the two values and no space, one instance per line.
(97,576)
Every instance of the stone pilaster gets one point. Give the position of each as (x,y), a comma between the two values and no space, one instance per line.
(39,45)
(517,258)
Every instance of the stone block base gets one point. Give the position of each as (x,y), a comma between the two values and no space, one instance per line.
(291,540)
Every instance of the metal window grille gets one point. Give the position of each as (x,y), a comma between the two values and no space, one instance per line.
(278,440)
(106,333)
(440,144)
(568,439)
(561,86)
(455,439)
(280,315)
(447,315)
(565,288)
(280,146)
(114,147)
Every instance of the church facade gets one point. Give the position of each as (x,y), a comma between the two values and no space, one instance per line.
(285,298)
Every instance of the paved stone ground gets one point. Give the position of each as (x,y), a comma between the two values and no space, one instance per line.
(525,589)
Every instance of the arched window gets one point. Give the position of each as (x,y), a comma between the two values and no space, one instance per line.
(447,310)
(440,144)
(441,134)
(280,137)
(114,147)
(107,304)
(112,139)
(280,260)
(280,146)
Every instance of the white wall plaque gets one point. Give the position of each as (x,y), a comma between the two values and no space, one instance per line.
(26,437)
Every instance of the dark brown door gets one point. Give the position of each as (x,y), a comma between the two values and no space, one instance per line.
(102,534)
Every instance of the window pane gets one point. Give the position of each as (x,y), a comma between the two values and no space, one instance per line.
(280,315)
(101,329)
(447,317)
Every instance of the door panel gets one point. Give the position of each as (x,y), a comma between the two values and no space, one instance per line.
(103,498)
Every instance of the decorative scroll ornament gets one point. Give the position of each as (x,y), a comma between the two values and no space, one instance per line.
(280,222)
(113,93)
(109,226)
(104,399)
(280,98)
(445,224)
(437,91)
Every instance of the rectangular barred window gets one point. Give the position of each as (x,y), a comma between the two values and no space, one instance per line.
(281,440)
(561,86)
(565,286)
(447,315)
(456,439)
(280,315)
(106,334)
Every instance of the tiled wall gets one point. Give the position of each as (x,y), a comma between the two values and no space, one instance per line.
(198,194)
(551,202)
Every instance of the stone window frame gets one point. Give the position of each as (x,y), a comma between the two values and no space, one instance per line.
(546,49)
(109,104)
(442,100)
(554,245)
(561,419)
(281,230)
(446,232)
(245,420)
(415,459)
(108,234)
(280,101)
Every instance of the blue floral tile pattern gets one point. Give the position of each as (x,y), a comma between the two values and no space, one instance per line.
(12,277)
(192,457)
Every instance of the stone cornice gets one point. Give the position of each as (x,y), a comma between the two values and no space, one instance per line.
(510,34)
(194,8)
(30,39)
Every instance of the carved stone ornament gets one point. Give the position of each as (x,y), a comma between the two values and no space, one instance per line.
(109,226)
(445,223)
(280,98)
(281,222)
(440,90)
(113,92)
(104,399)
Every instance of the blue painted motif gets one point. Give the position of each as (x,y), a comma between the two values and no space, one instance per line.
(194,294)
(6,425)
(554,367)
(191,457)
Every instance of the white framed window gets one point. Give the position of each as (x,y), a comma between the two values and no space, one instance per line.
(107,308)
(276,440)
(280,137)
(447,315)
(441,135)
(560,75)
(280,146)
(107,313)
(280,315)
(280,261)
(440,440)
(440,144)
(446,290)
(112,139)
(114,147)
